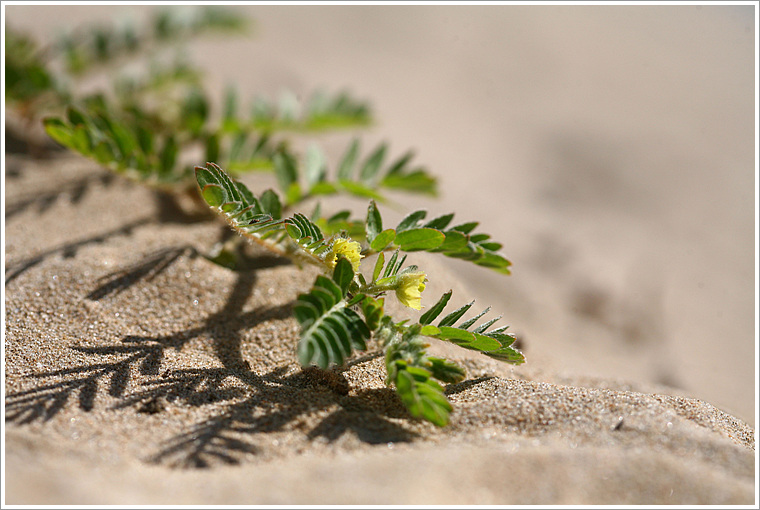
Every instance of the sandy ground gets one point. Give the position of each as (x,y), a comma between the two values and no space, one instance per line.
(611,149)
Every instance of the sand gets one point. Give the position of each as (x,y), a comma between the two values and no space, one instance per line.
(137,372)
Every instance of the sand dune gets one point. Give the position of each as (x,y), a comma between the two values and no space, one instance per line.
(611,149)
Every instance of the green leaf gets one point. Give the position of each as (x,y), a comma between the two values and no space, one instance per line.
(214,195)
(195,111)
(440,222)
(293,231)
(392,267)
(323,188)
(81,140)
(494,261)
(238,144)
(468,323)
(372,165)
(125,140)
(445,370)
(383,239)
(145,140)
(400,163)
(169,155)
(411,220)
(378,266)
(466,228)
(374,223)
(340,216)
(373,311)
(418,181)
(58,130)
(343,274)
(232,207)
(507,354)
(430,330)
(103,153)
(454,242)
(454,316)
(419,239)
(224,180)
(245,213)
(303,229)
(346,167)
(436,309)
(75,117)
(315,169)
(493,246)
(293,194)
(230,107)
(456,335)
(270,203)
(247,198)
(422,396)
(360,190)
(467,339)
(285,170)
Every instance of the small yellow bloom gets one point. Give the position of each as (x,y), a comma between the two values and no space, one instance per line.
(347,248)
(409,289)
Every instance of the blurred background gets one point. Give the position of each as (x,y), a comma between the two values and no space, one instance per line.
(610,148)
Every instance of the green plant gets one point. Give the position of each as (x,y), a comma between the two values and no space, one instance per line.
(139,146)
(143,127)
(39,79)
(147,129)
(166,107)
(345,308)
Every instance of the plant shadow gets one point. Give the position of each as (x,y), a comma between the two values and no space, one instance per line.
(276,403)
(69,250)
(42,201)
(244,404)
(17,141)
(147,269)
(453,389)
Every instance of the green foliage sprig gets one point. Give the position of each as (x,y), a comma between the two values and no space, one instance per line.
(39,79)
(148,149)
(84,49)
(26,75)
(320,112)
(145,129)
(345,309)
(130,148)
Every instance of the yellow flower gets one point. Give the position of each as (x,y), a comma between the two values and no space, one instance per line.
(347,248)
(409,289)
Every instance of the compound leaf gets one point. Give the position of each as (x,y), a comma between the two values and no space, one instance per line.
(330,331)
(422,396)
(494,344)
